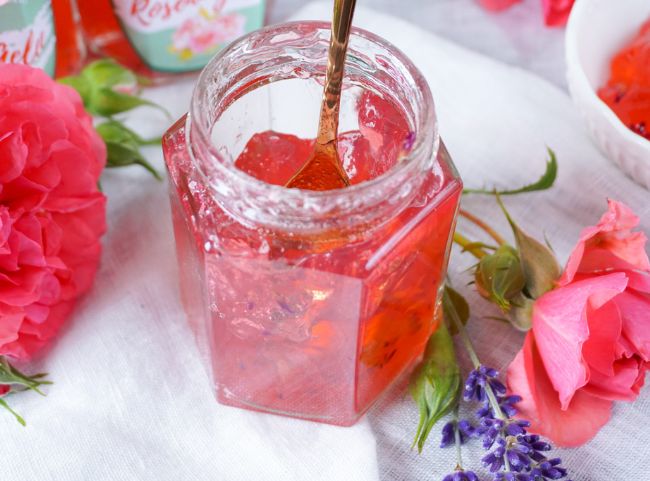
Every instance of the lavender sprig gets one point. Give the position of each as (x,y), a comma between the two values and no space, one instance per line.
(513,453)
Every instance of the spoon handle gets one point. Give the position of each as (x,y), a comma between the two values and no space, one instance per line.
(329,116)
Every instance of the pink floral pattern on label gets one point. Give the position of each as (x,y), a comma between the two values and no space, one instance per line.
(204,33)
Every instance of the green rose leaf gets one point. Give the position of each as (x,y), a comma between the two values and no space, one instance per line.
(499,276)
(435,385)
(521,313)
(108,73)
(116,131)
(18,417)
(107,102)
(103,87)
(123,156)
(545,182)
(18,381)
(540,267)
(81,85)
(9,375)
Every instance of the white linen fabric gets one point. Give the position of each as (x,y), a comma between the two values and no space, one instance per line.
(131,400)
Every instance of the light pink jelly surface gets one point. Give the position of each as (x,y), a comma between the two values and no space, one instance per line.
(312,327)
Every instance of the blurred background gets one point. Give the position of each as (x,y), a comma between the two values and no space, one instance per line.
(516,36)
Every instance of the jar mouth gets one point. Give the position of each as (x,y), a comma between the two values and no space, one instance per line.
(231,74)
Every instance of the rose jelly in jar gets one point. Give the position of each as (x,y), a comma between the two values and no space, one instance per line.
(310,304)
(159,38)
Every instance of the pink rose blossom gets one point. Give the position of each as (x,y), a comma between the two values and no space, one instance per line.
(52,213)
(497,5)
(590,340)
(556,12)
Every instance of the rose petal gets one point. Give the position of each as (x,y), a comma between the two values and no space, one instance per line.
(623,385)
(605,327)
(497,5)
(610,245)
(561,328)
(556,12)
(635,313)
(12,318)
(576,424)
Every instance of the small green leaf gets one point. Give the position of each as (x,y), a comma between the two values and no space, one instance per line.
(81,85)
(545,182)
(521,313)
(18,417)
(104,86)
(435,385)
(116,131)
(9,375)
(539,265)
(107,102)
(123,155)
(454,304)
(499,276)
(108,73)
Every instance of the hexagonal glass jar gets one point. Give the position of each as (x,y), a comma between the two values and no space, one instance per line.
(308,304)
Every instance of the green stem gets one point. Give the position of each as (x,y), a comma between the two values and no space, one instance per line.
(489,230)
(459,456)
(18,417)
(476,362)
(468,245)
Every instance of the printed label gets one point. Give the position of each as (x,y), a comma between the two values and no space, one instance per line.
(182,35)
(27,33)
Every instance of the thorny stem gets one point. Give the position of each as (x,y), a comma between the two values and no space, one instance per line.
(489,230)
(468,245)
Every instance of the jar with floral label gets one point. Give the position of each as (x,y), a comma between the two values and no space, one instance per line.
(158,38)
(41,33)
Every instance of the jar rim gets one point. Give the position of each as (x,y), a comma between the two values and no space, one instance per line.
(424,149)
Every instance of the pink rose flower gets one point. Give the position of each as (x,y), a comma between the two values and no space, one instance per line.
(52,213)
(497,5)
(556,12)
(590,340)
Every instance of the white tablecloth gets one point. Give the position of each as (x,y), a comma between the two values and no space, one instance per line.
(131,399)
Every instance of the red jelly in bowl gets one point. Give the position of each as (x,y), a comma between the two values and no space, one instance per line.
(627,91)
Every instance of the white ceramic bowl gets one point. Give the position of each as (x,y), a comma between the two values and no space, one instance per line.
(598,29)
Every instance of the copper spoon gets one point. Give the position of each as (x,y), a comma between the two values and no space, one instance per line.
(324,170)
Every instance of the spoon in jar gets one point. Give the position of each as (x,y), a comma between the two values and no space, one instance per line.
(324,170)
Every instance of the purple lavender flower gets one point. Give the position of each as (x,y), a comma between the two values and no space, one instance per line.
(494,460)
(465,431)
(461,475)
(507,404)
(476,382)
(489,430)
(514,454)
(535,446)
(549,469)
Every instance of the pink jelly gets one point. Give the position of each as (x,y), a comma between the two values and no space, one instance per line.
(309,304)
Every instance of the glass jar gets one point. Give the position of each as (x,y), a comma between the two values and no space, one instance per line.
(308,304)
(159,38)
(41,33)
